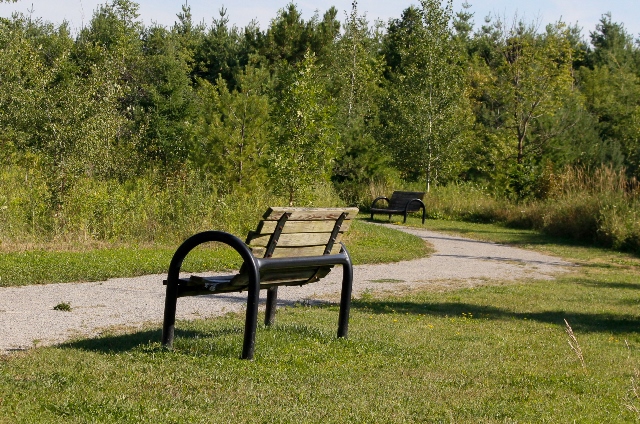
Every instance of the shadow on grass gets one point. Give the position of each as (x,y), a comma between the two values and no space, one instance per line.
(127,342)
(584,322)
(609,285)
(149,339)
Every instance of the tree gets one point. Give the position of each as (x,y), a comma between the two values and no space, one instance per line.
(289,37)
(613,46)
(222,52)
(68,118)
(190,37)
(463,24)
(611,84)
(427,113)
(165,102)
(304,145)
(234,129)
(533,76)
(355,79)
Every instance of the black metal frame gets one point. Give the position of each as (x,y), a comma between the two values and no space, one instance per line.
(252,266)
(404,212)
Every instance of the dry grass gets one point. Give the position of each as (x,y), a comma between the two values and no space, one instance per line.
(573,342)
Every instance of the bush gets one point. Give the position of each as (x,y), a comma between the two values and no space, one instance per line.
(147,209)
(595,207)
(25,212)
(571,216)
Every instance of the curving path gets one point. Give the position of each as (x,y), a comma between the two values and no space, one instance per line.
(27,317)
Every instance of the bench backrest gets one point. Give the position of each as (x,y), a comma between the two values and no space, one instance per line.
(304,232)
(399,200)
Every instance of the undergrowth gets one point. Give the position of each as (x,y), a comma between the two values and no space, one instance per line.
(600,207)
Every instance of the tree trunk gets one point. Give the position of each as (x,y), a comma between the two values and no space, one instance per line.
(521,134)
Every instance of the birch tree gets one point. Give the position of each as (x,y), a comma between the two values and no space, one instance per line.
(427,113)
(304,145)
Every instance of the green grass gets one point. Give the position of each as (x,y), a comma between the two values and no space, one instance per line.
(529,239)
(492,354)
(461,356)
(366,244)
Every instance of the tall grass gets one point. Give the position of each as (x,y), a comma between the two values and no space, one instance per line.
(600,207)
(150,209)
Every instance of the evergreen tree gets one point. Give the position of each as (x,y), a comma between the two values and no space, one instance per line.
(611,84)
(355,79)
(223,51)
(234,130)
(166,99)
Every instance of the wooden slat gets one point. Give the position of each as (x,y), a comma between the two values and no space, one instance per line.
(267,227)
(309,214)
(288,252)
(292,240)
(399,200)
(407,195)
(295,276)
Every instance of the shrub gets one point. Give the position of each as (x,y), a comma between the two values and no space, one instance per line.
(25,212)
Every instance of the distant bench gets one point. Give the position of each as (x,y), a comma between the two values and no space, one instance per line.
(290,247)
(401,203)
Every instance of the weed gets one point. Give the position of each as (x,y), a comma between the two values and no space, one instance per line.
(63,306)
(366,295)
(633,398)
(573,342)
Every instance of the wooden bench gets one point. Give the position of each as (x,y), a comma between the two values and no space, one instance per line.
(291,246)
(401,203)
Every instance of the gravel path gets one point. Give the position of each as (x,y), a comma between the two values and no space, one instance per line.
(27,317)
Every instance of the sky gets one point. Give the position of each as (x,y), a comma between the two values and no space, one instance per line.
(586,13)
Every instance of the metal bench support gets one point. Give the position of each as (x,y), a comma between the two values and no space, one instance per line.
(253,266)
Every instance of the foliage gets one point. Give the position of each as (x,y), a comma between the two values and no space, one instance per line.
(427,112)
(533,78)
(304,145)
(308,109)
(595,207)
(355,81)
(233,134)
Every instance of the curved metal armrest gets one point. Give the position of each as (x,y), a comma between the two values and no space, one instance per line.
(379,198)
(171,298)
(424,210)
(406,208)
(204,237)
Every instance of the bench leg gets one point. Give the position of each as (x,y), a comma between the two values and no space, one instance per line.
(272,299)
(345,301)
(251,320)
(169,322)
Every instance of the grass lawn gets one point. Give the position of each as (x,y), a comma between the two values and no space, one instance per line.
(493,354)
(366,244)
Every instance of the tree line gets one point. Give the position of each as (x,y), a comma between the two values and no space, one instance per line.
(421,98)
